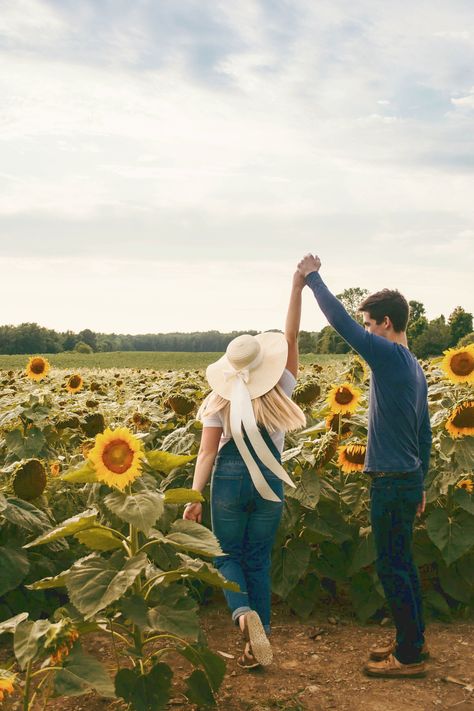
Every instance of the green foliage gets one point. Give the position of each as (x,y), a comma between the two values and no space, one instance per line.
(460,324)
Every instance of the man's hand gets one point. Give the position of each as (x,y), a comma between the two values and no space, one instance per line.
(298,280)
(421,505)
(309,264)
(193,512)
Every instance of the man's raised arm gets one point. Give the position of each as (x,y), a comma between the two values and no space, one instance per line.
(370,347)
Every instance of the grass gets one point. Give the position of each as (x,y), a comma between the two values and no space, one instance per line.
(136,359)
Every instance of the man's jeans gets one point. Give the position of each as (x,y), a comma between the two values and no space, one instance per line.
(245,525)
(394,502)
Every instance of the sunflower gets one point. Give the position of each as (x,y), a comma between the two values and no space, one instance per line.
(7,680)
(461,420)
(116,457)
(343,399)
(466,484)
(74,383)
(458,364)
(332,423)
(37,368)
(351,457)
(60,639)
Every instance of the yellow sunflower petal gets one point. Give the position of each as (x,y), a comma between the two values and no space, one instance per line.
(460,422)
(351,457)
(74,383)
(344,399)
(116,457)
(458,364)
(37,368)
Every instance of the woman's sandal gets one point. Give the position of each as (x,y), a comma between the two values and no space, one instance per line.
(247,660)
(254,633)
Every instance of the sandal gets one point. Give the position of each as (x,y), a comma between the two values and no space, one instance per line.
(247,660)
(254,633)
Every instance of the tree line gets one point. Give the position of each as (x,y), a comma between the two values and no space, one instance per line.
(426,338)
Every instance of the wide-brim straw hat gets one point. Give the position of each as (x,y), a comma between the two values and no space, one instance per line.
(259,360)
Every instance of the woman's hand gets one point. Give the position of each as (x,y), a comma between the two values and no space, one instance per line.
(309,264)
(193,512)
(298,280)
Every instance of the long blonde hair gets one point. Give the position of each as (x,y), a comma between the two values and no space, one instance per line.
(274,410)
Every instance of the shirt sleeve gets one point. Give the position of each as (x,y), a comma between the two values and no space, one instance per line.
(287,382)
(424,441)
(212,421)
(374,349)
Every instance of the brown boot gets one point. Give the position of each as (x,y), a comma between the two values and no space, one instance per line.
(391,668)
(380,652)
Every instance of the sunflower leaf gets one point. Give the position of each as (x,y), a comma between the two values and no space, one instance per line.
(141,509)
(98,539)
(167,461)
(82,474)
(193,537)
(182,496)
(72,525)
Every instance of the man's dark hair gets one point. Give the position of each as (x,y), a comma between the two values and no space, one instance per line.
(388,302)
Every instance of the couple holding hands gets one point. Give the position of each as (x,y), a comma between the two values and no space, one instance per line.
(245,418)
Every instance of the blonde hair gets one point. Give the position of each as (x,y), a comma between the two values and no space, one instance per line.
(274,410)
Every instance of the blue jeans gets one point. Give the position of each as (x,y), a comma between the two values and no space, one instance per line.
(245,525)
(394,501)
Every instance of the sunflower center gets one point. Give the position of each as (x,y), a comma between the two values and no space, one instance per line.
(75,381)
(37,366)
(117,456)
(344,396)
(465,416)
(462,363)
(355,455)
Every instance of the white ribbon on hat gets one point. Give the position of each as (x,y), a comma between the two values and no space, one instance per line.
(241,413)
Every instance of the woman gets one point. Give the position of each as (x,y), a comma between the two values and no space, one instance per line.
(251,386)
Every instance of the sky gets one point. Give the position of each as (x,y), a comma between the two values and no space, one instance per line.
(164,164)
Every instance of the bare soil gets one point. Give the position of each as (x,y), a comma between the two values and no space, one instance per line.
(317,667)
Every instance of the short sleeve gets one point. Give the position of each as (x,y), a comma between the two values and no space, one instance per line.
(287,382)
(212,421)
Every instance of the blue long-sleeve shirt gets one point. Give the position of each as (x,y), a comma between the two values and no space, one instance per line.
(399,432)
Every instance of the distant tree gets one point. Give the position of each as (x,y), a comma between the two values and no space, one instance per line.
(82,347)
(329,341)
(433,340)
(417,322)
(307,342)
(466,340)
(460,323)
(351,299)
(89,337)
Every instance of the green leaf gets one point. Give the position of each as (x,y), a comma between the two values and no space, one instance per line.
(176,613)
(308,490)
(167,461)
(364,553)
(25,447)
(327,523)
(366,596)
(192,568)
(453,535)
(57,581)
(80,673)
(289,565)
(212,664)
(453,583)
(198,689)
(99,539)
(193,537)
(145,692)
(464,500)
(26,640)
(141,509)
(332,562)
(14,565)
(25,515)
(72,525)
(305,596)
(12,623)
(135,609)
(437,603)
(93,582)
(182,496)
(84,473)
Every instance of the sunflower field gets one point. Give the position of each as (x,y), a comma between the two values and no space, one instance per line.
(95,468)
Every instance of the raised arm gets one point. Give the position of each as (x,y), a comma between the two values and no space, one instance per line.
(292,325)
(372,348)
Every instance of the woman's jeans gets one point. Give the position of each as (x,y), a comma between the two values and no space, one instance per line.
(245,525)
(394,502)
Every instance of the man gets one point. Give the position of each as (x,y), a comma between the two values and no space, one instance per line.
(397,458)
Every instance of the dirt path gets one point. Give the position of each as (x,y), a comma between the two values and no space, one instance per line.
(317,667)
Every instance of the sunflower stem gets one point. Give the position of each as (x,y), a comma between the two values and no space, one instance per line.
(137,587)
(26,696)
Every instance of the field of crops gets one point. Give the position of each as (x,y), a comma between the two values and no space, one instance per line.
(94,464)
(155,360)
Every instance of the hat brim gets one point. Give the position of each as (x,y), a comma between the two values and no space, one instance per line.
(262,378)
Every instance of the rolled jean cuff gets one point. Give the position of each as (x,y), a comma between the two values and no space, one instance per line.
(239,611)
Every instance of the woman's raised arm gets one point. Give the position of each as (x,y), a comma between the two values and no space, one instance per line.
(292,325)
